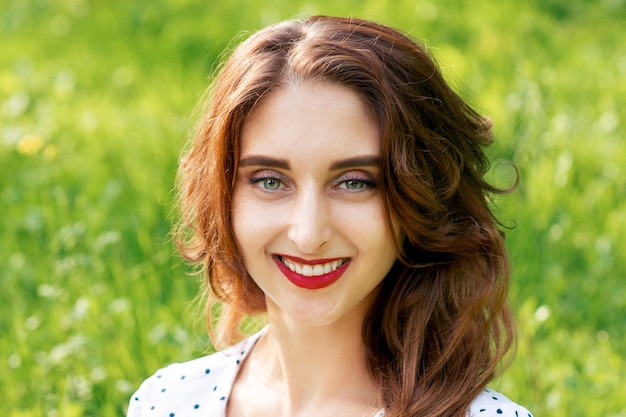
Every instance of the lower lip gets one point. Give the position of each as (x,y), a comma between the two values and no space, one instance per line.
(314,282)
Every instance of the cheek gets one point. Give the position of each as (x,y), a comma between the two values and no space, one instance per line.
(366,221)
(253,224)
(241,222)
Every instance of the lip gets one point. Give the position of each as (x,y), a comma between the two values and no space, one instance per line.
(313,282)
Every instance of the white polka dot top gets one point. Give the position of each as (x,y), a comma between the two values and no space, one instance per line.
(201,387)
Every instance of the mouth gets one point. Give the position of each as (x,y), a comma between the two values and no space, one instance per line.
(312,274)
(313,270)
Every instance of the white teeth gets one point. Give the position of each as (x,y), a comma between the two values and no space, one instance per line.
(312,270)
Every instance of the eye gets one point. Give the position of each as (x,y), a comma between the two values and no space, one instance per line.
(270,184)
(354,184)
(267,182)
(357,184)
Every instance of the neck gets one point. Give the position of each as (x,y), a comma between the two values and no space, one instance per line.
(311,364)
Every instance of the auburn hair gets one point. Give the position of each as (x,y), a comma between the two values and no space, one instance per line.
(440,325)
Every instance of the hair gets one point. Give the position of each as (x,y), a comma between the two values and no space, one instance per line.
(440,325)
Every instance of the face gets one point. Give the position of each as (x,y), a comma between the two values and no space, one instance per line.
(307,209)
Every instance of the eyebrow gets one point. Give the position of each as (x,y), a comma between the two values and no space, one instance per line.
(357,162)
(265,161)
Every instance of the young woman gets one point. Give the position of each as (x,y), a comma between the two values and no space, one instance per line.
(335,185)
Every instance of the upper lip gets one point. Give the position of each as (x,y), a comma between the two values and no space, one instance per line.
(310,261)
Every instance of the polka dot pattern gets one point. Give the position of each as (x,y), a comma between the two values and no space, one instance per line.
(201,387)
(493,404)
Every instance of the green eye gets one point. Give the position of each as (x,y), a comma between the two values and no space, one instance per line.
(357,184)
(267,181)
(270,184)
(354,185)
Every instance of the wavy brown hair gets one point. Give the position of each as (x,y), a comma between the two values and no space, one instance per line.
(440,324)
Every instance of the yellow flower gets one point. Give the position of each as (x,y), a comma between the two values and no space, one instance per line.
(50,152)
(29,145)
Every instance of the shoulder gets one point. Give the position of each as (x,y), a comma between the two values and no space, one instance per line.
(490,403)
(200,384)
(184,386)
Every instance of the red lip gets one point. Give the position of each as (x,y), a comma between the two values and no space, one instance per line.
(310,262)
(311,283)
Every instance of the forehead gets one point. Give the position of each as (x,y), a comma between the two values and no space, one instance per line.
(307,116)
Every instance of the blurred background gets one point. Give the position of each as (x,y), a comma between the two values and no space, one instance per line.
(96,101)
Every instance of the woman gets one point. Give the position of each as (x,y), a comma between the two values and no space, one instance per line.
(335,184)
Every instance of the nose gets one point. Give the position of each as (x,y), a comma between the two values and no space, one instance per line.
(310,224)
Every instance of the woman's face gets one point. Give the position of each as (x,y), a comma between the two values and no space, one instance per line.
(307,209)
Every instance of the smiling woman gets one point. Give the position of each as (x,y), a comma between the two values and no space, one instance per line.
(335,184)
(323,209)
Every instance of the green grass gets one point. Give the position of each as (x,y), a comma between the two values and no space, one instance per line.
(95,104)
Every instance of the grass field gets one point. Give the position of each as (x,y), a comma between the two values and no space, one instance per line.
(96,100)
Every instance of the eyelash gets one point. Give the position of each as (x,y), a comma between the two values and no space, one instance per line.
(257,180)
(355,178)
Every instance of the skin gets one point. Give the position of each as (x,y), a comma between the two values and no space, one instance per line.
(306,190)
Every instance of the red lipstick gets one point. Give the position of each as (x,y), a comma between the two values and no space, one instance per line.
(313,282)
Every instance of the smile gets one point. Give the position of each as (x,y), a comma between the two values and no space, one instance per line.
(312,275)
(314,270)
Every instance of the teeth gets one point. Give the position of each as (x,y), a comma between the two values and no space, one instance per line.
(312,270)
(307,271)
